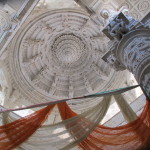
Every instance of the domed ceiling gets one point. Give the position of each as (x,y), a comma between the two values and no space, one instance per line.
(58,55)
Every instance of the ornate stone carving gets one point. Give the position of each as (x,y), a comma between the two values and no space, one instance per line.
(99,11)
(12,18)
(137,8)
(63,63)
(132,50)
(113,62)
(105,13)
(137,57)
(146,83)
(108,14)
(119,26)
(5,22)
(115,31)
(32,42)
(136,52)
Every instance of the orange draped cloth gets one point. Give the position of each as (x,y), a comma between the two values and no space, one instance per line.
(132,136)
(15,133)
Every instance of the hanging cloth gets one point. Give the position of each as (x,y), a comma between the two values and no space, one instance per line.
(15,133)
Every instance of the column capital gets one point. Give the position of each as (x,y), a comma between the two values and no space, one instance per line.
(121,30)
(130,47)
(119,26)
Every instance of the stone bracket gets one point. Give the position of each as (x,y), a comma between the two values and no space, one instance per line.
(110,58)
(119,26)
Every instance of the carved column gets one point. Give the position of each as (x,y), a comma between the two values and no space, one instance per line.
(130,47)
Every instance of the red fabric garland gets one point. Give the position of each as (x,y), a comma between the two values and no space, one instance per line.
(15,133)
(132,136)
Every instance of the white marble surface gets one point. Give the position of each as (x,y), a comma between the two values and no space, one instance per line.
(59,4)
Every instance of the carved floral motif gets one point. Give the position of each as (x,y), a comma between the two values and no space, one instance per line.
(137,8)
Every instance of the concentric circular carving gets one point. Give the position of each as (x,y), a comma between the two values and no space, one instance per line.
(67,52)
(58,55)
(68,49)
(144,5)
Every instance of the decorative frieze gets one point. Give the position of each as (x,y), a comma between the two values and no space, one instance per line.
(136,52)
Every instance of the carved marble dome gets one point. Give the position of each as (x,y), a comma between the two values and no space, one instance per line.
(58,55)
(54,53)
